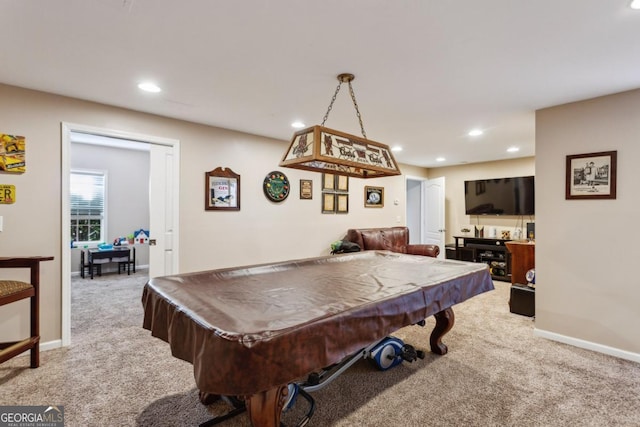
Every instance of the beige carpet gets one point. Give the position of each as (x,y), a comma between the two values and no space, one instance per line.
(496,374)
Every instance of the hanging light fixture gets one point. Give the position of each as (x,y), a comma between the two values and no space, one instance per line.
(321,149)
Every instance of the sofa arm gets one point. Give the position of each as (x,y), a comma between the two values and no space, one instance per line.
(425,250)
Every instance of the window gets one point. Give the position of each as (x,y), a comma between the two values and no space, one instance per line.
(87,190)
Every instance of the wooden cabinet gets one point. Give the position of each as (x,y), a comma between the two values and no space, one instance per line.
(523,258)
(492,252)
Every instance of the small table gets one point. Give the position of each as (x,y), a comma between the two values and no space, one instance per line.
(118,255)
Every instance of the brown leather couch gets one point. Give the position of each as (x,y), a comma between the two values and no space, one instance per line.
(395,239)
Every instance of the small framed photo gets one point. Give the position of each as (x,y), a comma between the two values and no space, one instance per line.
(222,190)
(373,197)
(591,176)
(306,189)
(328,182)
(328,202)
(342,183)
(342,203)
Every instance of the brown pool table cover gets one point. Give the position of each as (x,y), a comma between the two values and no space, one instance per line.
(249,329)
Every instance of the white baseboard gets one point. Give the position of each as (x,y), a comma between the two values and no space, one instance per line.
(44,346)
(588,345)
(50,345)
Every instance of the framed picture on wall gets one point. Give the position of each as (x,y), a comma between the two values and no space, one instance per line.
(342,203)
(342,183)
(373,197)
(328,182)
(591,176)
(221,190)
(306,189)
(328,202)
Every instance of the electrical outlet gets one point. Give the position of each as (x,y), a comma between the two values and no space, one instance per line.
(1,222)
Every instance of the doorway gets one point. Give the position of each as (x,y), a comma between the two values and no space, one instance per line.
(163,206)
(426,211)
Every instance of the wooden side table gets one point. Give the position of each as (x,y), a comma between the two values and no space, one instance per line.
(15,290)
(523,259)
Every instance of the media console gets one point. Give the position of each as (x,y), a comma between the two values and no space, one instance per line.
(492,252)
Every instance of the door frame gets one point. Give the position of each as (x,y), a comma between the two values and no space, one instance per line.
(423,211)
(66,129)
(410,202)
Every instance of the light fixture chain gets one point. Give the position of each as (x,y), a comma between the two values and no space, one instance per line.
(355,104)
(326,116)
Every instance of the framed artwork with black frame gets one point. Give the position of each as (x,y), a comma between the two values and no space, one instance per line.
(591,176)
(221,190)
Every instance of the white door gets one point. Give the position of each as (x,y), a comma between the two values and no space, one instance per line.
(433,202)
(163,211)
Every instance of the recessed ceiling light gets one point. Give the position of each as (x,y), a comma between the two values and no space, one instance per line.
(297,125)
(149,87)
(513,149)
(440,159)
(635,4)
(475,132)
(396,148)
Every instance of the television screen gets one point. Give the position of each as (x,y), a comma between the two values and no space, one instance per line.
(500,196)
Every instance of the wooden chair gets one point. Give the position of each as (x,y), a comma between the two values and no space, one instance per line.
(15,290)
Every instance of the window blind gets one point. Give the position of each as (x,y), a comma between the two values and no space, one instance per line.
(87,191)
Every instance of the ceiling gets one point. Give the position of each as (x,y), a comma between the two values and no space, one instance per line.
(427,71)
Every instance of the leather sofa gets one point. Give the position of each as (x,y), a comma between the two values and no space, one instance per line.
(395,239)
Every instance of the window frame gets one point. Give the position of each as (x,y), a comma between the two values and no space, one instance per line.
(103,219)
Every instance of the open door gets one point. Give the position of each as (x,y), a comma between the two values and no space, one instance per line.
(162,242)
(434,230)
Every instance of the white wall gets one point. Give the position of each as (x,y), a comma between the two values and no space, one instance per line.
(587,288)
(261,231)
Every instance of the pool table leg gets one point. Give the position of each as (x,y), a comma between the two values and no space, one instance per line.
(444,323)
(207,398)
(265,408)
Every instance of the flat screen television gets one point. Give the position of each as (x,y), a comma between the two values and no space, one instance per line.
(500,196)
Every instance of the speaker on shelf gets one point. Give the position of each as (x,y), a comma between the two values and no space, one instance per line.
(531,230)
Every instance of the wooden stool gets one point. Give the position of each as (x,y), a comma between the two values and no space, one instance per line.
(14,290)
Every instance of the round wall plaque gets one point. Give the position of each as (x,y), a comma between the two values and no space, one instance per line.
(276,186)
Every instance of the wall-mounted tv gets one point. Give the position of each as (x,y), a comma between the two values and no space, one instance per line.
(500,196)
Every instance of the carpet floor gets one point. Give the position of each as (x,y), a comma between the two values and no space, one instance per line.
(495,374)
